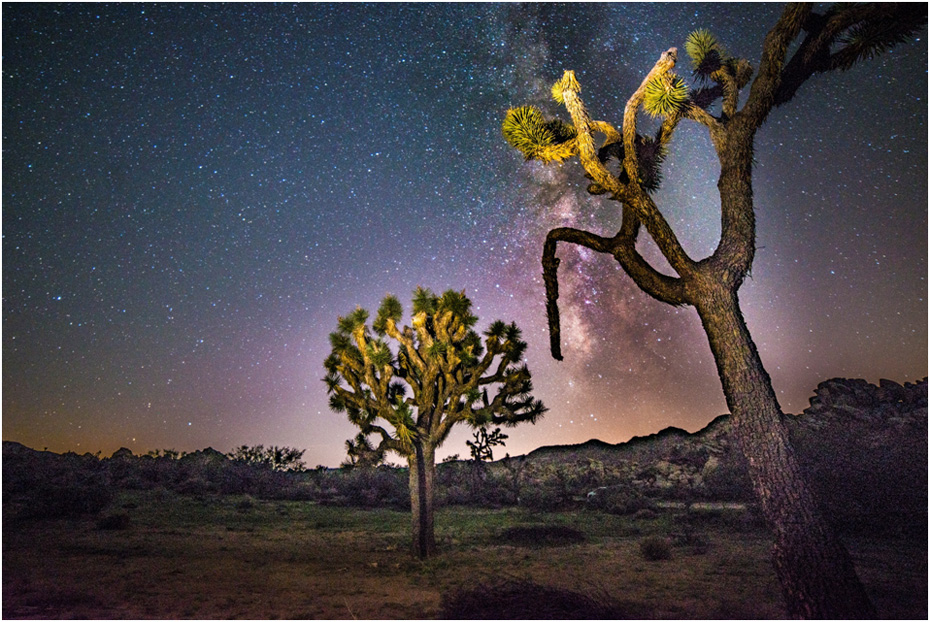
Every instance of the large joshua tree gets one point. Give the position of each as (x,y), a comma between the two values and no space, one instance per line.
(449,371)
(817,576)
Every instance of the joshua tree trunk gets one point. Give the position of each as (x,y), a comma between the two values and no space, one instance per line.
(816,573)
(422,476)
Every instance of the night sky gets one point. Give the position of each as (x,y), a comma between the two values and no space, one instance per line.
(193,194)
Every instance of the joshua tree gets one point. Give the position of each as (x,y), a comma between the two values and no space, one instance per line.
(361,453)
(449,372)
(274,457)
(480,448)
(817,576)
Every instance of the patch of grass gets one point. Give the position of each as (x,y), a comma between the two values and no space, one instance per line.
(541,535)
(179,561)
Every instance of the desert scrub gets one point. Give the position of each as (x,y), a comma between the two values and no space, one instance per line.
(654,548)
(621,500)
(541,535)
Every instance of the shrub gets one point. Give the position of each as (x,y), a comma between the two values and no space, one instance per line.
(474,484)
(364,487)
(543,496)
(245,505)
(64,496)
(114,522)
(619,500)
(655,548)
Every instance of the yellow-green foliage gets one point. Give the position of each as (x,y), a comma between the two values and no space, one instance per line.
(699,46)
(665,95)
(528,131)
(567,81)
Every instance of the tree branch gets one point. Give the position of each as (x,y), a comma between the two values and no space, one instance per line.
(814,54)
(550,275)
(774,48)
(584,141)
(623,248)
(665,64)
(631,194)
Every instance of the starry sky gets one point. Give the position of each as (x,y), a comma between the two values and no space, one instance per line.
(193,194)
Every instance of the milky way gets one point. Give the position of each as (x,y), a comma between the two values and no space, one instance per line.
(192,195)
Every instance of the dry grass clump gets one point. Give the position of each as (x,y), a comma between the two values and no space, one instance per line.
(655,548)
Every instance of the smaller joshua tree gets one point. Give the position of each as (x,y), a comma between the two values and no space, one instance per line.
(274,457)
(362,454)
(450,372)
(481,447)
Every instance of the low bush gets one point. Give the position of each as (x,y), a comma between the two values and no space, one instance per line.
(365,487)
(655,548)
(544,496)
(62,495)
(619,500)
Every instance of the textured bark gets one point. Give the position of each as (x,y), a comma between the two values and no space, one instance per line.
(817,576)
(422,476)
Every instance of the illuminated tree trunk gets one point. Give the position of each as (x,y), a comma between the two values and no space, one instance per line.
(422,477)
(816,573)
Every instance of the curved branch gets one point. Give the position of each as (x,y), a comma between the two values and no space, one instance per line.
(584,141)
(387,442)
(696,113)
(630,162)
(631,193)
(730,91)
(762,93)
(814,55)
(550,275)
(664,288)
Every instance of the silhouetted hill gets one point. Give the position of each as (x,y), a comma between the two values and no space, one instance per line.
(864,448)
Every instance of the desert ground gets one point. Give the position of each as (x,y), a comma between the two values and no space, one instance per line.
(201,557)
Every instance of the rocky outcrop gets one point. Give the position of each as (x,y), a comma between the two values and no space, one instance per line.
(889,403)
(863,446)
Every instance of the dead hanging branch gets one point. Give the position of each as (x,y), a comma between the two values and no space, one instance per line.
(550,274)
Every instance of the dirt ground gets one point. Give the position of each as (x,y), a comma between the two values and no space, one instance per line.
(221,558)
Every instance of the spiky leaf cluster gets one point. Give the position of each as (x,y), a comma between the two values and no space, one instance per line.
(529,132)
(649,154)
(867,40)
(665,95)
(568,81)
(446,366)
(705,51)
(390,310)
(709,58)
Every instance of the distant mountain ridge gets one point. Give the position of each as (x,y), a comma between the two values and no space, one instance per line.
(862,446)
(863,403)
